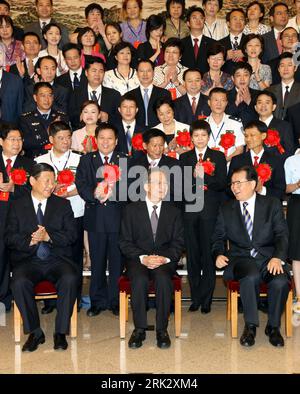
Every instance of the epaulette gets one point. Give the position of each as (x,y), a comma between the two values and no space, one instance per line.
(61,112)
(235,118)
(27,113)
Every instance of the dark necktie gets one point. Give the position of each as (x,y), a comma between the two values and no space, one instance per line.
(94,96)
(256,163)
(249,225)
(106,160)
(45,116)
(194,105)
(286,95)
(235,44)
(128,138)
(43,25)
(154,221)
(8,166)
(76,81)
(146,102)
(196,47)
(43,250)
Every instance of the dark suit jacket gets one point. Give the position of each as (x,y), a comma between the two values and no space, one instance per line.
(270,47)
(188,58)
(122,141)
(293,117)
(183,109)
(286,137)
(271,242)
(136,237)
(11,97)
(293,98)
(152,117)
(99,217)
(36,28)
(243,111)
(215,184)
(274,63)
(226,42)
(22,222)
(276,185)
(26,78)
(74,101)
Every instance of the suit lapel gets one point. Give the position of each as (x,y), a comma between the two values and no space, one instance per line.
(145,214)
(258,216)
(163,218)
(30,211)
(96,162)
(240,219)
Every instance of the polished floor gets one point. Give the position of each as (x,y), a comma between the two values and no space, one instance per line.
(205,346)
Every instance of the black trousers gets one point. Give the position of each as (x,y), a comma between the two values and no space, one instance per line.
(104,251)
(251,273)
(62,274)
(200,265)
(139,276)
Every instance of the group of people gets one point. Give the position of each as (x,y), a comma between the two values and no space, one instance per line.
(139,141)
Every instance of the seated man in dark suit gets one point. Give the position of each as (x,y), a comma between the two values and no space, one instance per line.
(39,233)
(34,124)
(255,133)
(265,104)
(152,241)
(146,94)
(195,45)
(254,255)
(74,79)
(192,105)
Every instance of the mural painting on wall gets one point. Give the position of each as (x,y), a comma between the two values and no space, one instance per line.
(71,12)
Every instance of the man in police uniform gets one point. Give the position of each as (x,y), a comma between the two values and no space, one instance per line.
(34,124)
(221,123)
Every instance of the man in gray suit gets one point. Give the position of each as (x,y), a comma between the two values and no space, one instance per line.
(288,91)
(44,10)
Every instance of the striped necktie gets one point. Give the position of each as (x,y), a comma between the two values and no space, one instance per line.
(249,226)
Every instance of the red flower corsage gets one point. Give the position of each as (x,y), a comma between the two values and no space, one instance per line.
(273,139)
(137,142)
(89,143)
(208,166)
(65,177)
(18,176)
(264,172)
(227,141)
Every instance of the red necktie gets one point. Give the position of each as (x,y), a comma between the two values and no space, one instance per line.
(106,160)
(256,163)
(8,166)
(196,47)
(279,44)
(200,157)
(194,106)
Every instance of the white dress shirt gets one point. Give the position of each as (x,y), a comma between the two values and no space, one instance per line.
(268,120)
(109,155)
(259,155)
(98,93)
(191,98)
(36,203)
(131,129)
(13,159)
(250,207)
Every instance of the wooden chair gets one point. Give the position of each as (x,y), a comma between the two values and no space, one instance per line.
(43,291)
(233,292)
(124,294)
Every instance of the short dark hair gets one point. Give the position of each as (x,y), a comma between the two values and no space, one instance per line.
(48,27)
(191,70)
(57,126)
(250,37)
(284,55)
(200,124)
(122,45)
(31,34)
(193,9)
(90,60)
(170,2)
(174,42)
(272,9)
(69,46)
(258,124)
(114,25)
(261,7)
(152,133)
(105,126)
(288,28)
(217,90)
(128,96)
(48,57)
(219,1)
(91,7)
(89,102)
(145,61)
(7,127)
(38,168)
(266,93)
(82,32)
(242,66)
(161,101)
(228,15)
(216,48)
(4,2)
(40,85)
(251,173)
(154,22)
(7,19)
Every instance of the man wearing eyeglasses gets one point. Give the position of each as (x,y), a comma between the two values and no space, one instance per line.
(257,233)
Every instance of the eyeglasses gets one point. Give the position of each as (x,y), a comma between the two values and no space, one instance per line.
(237,183)
(15,139)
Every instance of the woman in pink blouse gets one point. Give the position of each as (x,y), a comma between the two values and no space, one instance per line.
(13,48)
(87,40)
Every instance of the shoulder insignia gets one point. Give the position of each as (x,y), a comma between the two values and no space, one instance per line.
(27,113)
(234,118)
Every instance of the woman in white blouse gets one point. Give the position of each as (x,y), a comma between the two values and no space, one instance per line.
(214,27)
(255,14)
(123,78)
(170,75)
(164,108)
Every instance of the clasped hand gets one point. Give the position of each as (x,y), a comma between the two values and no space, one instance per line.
(40,235)
(153,261)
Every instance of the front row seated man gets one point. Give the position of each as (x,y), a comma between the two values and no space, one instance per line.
(257,233)
(40,230)
(152,241)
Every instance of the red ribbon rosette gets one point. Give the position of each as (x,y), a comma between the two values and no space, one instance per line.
(273,139)
(111,174)
(208,167)
(137,142)
(89,143)
(264,172)
(18,176)
(202,117)
(183,139)
(65,177)
(227,141)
